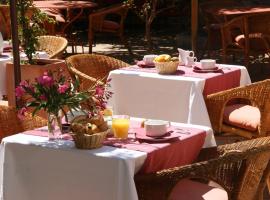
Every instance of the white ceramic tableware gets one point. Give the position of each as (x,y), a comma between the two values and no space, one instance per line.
(208,63)
(149,59)
(183,54)
(190,61)
(156,128)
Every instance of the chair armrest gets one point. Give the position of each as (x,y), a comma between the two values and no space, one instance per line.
(257,93)
(223,170)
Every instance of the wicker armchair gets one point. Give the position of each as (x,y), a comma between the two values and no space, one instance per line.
(5,27)
(241,169)
(11,124)
(88,68)
(257,95)
(53,45)
(99,23)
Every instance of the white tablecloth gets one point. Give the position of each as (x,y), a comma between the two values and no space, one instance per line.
(3,62)
(31,168)
(167,97)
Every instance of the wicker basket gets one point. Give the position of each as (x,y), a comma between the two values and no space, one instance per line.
(166,67)
(85,141)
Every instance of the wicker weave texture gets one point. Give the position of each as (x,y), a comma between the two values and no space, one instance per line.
(258,94)
(89,68)
(238,168)
(54,46)
(11,124)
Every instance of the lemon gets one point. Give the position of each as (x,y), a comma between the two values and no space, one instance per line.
(107,112)
(163,58)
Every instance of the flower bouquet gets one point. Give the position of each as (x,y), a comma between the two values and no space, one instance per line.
(51,92)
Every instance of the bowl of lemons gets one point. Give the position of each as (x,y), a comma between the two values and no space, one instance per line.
(165,64)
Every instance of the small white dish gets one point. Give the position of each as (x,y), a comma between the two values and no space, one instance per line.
(156,128)
(208,63)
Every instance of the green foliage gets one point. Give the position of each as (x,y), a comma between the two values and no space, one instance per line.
(30,20)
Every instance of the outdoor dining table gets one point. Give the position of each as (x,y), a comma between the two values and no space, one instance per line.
(31,167)
(142,92)
(229,13)
(68,6)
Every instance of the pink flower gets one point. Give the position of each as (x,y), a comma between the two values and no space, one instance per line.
(43,97)
(24,84)
(45,80)
(62,88)
(99,91)
(19,91)
(21,113)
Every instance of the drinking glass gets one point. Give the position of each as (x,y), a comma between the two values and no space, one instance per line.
(120,126)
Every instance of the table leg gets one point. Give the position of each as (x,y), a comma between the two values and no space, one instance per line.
(194,24)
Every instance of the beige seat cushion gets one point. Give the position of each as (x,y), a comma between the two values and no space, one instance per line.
(243,116)
(191,190)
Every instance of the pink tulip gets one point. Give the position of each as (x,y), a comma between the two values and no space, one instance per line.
(19,91)
(43,97)
(45,80)
(62,88)
(21,113)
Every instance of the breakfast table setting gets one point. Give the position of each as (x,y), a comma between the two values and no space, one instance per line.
(142,90)
(56,168)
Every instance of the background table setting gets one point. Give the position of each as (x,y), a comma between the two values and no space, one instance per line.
(57,169)
(5,57)
(143,92)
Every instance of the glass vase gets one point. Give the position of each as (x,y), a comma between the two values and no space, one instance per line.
(53,122)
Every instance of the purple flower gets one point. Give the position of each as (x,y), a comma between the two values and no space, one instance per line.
(45,80)
(99,91)
(19,91)
(21,113)
(62,88)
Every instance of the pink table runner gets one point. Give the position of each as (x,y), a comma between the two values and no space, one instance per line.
(160,155)
(223,79)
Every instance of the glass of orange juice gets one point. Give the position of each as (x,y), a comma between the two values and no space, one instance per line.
(120,126)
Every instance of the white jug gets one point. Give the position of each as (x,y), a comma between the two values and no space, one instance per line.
(183,54)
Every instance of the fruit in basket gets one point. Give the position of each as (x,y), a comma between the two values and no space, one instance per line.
(163,58)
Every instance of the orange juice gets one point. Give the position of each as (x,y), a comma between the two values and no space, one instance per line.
(120,126)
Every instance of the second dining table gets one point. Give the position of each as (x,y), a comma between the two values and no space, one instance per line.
(142,92)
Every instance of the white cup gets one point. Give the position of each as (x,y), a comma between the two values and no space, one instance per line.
(208,63)
(190,61)
(155,128)
(149,59)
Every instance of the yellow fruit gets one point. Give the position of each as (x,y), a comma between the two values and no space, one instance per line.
(107,112)
(163,58)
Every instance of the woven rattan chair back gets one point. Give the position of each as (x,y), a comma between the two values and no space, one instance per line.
(11,124)
(54,46)
(258,94)
(89,68)
(240,168)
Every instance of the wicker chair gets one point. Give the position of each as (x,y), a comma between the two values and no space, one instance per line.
(53,45)
(247,35)
(89,68)
(11,124)
(256,95)
(98,23)
(214,23)
(5,27)
(241,169)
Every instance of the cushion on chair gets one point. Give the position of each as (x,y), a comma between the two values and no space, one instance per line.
(191,190)
(110,25)
(242,116)
(256,41)
(54,13)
